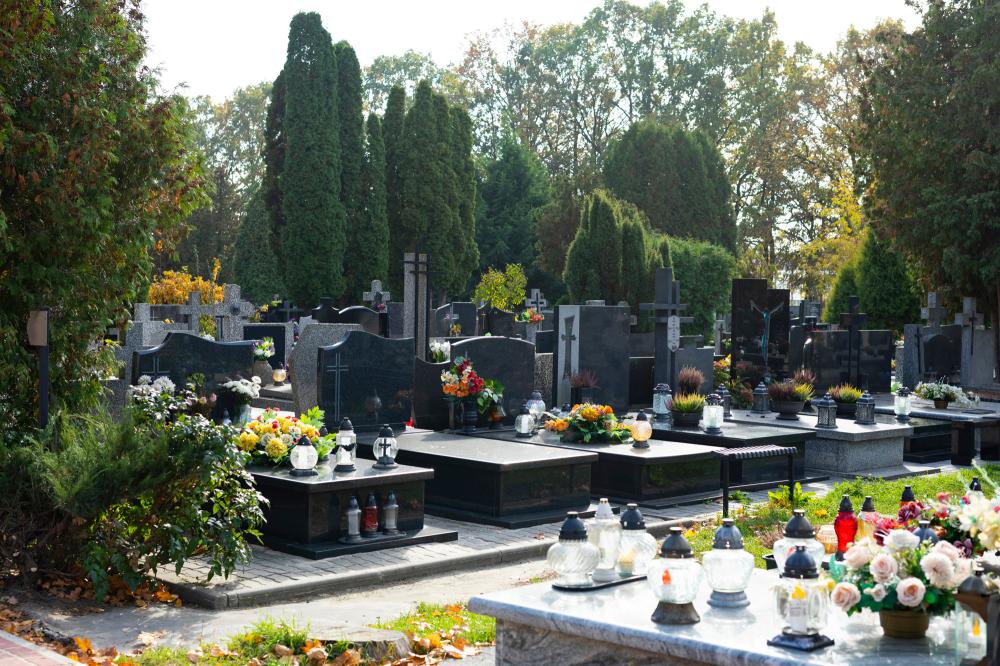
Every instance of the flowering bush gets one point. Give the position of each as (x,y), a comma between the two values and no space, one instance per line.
(440,350)
(530,316)
(264,349)
(901,574)
(460,381)
(589,422)
(244,391)
(269,438)
(173,287)
(945,391)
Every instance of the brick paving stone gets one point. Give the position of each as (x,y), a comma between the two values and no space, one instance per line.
(17,652)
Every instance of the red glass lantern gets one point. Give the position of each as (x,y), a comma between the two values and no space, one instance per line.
(369,517)
(845,525)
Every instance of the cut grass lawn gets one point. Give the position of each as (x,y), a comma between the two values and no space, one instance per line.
(447,621)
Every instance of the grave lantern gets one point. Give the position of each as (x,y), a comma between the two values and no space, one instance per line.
(385,447)
(369,517)
(902,404)
(662,399)
(971,633)
(279,375)
(728,568)
(713,414)
(303,457)
(390,514)
(760,399)
(727,401)
(865,411)
(845,525)
(802,602)
(925,533)
(353,514)
(826,412)
(605,533)
(975,488)
(524,423)
(674,580)
(347,444)
(867,518)
(641,430)
(573,557)
(907,496)
(536,407)
(638,547)
(798,532)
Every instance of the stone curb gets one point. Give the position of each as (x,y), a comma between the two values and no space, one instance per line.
(18,648)
(276,593)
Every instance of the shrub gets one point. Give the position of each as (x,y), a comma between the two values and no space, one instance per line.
(689,380)
(688,403)
(845,393)
(503,290)
(173,287)
(705,272)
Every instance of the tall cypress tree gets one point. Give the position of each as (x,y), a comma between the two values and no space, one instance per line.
(352,196)
(445,240)
(392,133)
(887,289)
(594,261)
(373,243)
(254,265)
(465,179)
(420,174)
(313,239)
(274,162)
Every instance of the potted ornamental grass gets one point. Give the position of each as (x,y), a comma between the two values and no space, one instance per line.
(689,380)
(905,580)
(686,410)
(846,396)
(589,423)
(788,398)
(581,386)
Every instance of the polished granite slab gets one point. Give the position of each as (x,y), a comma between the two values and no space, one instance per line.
(539,625)
(846,430)
(306,515)
(930,441)
(974,429)
(623,472)
(497,482)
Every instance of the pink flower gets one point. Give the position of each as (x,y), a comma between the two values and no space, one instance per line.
(877,592)
(883,567)
(858,556)
(938,569)
(947,550)
(845,596)
(910,592)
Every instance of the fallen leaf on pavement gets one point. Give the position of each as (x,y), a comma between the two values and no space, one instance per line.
(149,638)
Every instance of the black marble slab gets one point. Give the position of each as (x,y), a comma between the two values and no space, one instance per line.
(497,483)
(269,330)
(461,313)
(751,296)
(545,342)
(930,441)
(735,435)
(495,321)
(306,514)
(594,338)
(430,409)
(511,361)
(970,427)
(622,472)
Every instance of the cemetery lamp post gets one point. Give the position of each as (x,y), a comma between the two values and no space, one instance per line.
(865,411)
(674,580)
(641,430)
(347,444)
(661,403)
(304,457)
(713,414)
(727,401)
(728,568)
(385,447)
(826,412)
(902,404)
(38,338)
(760,399)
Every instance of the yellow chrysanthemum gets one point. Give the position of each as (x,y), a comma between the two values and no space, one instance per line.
(590,413)
(248,441)
(275,448)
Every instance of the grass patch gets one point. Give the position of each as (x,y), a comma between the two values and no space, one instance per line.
(446,621)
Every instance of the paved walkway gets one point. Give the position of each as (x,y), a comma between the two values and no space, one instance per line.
(15,651)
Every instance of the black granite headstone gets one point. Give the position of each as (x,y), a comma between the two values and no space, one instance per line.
(461,313)
(545,342)
(274,331)
(830,355)
(367,318)
(877,351)
(759,313)
(281,312)
(368,379)
(593,338)
(430,409)
(495,321)
(509,361)
(325,312)
(941,351)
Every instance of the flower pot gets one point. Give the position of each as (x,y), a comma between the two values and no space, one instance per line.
(940,404)
(788,410)
(470,415)
(242,416)
(904,624)
(686,419)
(847,410)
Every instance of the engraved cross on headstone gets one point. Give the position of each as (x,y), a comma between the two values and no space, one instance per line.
(668,322)
(156,370)
(536,301)
(568,339)
(337,368)
(853,320)
(933,313)
(450,318)
(968,318)
(376,295)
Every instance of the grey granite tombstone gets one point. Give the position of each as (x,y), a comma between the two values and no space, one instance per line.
(376,296)
(394,311)
(978,355)
(690,355)
(228,314)
(594,338)
(462,313)
(368,379)
(760,318)
(283,335)
(510,361)
(304,359)
(416,300)
(543,375)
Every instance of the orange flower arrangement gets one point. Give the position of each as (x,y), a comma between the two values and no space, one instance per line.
(588,422)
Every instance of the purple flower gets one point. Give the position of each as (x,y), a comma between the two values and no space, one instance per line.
(964,546)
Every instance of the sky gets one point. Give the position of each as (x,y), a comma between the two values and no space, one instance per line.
(211,47)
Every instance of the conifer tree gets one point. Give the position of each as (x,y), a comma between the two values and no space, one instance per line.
(274,162)
(594,261)
(373,244)
(352,196)
(844,286)
(887,290)
(392,134)
(465,178)
(254,265)
(313,238)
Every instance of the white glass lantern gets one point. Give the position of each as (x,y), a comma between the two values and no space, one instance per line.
(969,627)
(347,444)
(662,401)
(641,430)
(902,404)
(798,532)
(637,547)
(353,515)
(573,557)
(728,568)
(390,514)
(713,414)
(536,407)
(802,602)
(385,447)
(606,533)
(303,457)
(524,423)
(674,579)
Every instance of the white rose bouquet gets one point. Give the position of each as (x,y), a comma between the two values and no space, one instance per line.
(903,575)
